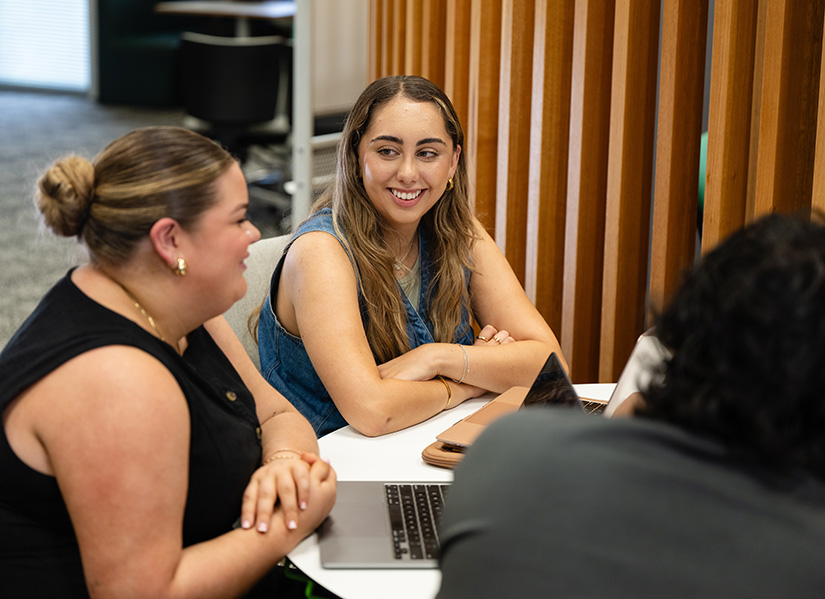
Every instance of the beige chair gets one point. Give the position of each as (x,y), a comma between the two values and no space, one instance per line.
(263,256)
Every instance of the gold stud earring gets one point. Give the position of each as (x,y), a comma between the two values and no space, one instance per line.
(180,267)
(449,184)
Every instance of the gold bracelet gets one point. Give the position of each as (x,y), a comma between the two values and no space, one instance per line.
(275,456)
(466,365)
(449,391)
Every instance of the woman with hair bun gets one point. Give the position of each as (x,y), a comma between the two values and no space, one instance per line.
(142,454)
(369,317)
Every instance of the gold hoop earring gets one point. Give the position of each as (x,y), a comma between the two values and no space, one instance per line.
(180,267)
(449,184)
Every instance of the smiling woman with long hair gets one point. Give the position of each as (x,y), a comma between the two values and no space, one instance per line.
(369,320)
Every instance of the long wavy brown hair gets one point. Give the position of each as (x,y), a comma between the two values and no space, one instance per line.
(448,227)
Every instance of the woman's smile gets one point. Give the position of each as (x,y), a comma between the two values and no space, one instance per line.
(407,157)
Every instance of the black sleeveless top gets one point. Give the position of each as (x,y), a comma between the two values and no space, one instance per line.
(39,556)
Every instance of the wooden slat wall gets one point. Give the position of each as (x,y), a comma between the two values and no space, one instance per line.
(818,193)
(549,141)
(629,180)
(457,71)
(681,89)
(514,129)
(481,131)
(731,86)
(787,123)
(558,100)
(592,71)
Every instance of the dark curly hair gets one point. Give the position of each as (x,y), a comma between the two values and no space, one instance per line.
(747,336)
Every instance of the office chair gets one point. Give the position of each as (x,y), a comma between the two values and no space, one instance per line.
(237,86)
(263,256)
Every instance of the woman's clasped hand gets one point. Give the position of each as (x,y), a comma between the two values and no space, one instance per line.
(288,479)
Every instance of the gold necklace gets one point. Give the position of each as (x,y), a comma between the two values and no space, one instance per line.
(145,314)
(399,264)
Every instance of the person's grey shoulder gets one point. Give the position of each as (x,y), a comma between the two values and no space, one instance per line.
(537,426)
(525,433)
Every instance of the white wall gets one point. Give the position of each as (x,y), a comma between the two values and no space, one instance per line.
(339,53)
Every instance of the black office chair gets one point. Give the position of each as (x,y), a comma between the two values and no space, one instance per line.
(237,86)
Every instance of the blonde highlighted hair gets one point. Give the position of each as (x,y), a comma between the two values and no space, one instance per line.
(111,203)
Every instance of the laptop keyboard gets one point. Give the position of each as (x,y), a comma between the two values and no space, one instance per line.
(593,407)
(415,510)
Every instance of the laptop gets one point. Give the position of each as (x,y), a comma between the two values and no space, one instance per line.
(376,524)
(552,380)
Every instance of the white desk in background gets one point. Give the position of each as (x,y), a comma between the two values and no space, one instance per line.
(302,131)
(240,11)
(393,457)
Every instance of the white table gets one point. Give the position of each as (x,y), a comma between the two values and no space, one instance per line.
(396,456)
(240,11)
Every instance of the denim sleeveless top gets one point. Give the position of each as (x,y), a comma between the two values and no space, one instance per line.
(284,360)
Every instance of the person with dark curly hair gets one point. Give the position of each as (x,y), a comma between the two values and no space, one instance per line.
(713,488)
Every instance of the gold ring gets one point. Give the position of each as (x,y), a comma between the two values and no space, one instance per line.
(497,340)
(482,337)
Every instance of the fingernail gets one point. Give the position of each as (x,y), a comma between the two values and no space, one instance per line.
(262,527)
(246,524)
(303,505)
(326,460)
(292,525)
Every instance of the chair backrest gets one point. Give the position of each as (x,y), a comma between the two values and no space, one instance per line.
(263,256)
(233,80)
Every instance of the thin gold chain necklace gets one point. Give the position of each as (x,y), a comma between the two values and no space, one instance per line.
(399,264)
(140,308)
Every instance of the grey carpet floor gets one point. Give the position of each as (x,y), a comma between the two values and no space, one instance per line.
(36,129)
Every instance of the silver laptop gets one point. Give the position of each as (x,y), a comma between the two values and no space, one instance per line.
(376,524)
(393,524)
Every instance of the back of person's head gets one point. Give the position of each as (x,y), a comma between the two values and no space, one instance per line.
(111,203)
(747,336)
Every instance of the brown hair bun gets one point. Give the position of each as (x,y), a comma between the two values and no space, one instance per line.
(64,195)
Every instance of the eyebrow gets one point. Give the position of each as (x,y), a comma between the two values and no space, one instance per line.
(397,140)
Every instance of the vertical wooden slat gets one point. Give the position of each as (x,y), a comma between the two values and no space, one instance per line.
(482,128)
(547,190)
(433,40)
(629,181)
(756,107)
(387,42)
(818,191)
(586,186)
(790,90)
(729,114)
(681,85)
(413,34)
(457,57)
(514,131)
(377,31)
(398,37)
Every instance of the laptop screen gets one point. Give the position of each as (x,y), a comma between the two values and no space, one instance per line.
(552,387)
